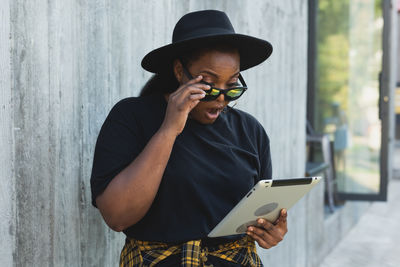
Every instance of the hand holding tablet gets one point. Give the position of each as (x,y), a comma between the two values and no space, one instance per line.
(265,200)
(269,234)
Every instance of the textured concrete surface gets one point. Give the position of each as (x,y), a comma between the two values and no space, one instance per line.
(374,241)
(398,41)
(64,64)
(396,161)
(7,183)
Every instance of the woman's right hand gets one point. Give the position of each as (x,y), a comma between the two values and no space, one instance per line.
(181,102)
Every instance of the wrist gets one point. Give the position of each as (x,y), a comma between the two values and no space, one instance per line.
(167,133)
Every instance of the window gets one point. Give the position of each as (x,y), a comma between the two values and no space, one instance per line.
(344,91)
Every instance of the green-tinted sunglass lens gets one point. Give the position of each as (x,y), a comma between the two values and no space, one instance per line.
(234,92)
(213,92)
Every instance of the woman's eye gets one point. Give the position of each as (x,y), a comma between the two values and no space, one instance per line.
(233,84)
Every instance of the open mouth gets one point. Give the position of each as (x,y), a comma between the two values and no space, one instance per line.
(213,113)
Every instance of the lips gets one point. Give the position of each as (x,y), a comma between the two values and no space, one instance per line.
(215,109)
(213,112)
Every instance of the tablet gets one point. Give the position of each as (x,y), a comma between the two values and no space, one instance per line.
(264,200)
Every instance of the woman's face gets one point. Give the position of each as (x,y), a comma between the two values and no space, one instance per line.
(221,69)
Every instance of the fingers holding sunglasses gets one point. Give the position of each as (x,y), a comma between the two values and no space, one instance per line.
(189,96)
(194,80)
(180,103)
(192,87)
(189,83)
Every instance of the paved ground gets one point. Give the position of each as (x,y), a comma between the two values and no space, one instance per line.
(375,240)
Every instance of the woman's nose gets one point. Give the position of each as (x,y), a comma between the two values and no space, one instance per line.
(221,98)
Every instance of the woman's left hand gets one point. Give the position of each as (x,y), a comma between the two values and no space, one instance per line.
(269,234)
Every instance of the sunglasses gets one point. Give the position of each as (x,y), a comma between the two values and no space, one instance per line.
(213,93)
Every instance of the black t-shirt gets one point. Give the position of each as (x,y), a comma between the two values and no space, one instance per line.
(210,169)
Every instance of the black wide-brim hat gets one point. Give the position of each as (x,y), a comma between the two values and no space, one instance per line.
(197,29)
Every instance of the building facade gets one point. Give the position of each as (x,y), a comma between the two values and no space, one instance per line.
(64,64)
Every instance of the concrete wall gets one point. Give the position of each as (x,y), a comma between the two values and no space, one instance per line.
(388,85)
(7,177)
(398,40)
(398,44)
(64,64)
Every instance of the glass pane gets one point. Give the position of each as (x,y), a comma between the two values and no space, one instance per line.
(349,61)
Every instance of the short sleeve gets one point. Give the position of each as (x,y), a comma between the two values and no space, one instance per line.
(265,159)
(118,144)
(264,153)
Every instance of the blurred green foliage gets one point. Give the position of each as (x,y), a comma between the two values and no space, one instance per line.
(333,58)
(334,31)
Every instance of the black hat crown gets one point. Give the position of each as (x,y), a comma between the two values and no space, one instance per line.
(202,23)
(201,28)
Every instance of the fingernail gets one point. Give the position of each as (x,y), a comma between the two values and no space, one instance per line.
(260,221)
(250,229)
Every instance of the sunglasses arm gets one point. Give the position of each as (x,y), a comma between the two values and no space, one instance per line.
(242,80)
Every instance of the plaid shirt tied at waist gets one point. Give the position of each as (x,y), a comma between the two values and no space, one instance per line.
(147,253)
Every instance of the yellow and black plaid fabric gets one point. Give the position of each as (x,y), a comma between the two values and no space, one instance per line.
(145,253)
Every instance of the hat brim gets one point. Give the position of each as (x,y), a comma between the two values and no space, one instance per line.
(253,51)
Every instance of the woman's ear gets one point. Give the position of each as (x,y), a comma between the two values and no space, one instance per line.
(178,70)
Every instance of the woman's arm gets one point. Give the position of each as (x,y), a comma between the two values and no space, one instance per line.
(129,195)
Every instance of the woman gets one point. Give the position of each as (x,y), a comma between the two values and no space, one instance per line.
(171,163)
